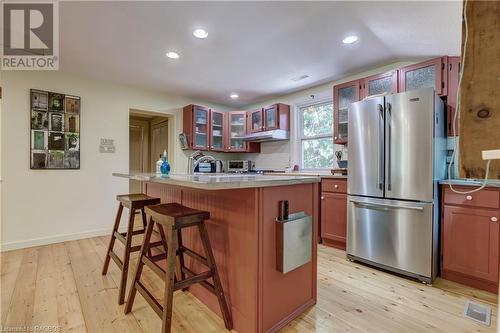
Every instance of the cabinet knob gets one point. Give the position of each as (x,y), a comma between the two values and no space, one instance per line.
(469,197)
(494,219)
(322,198)
(336,186)
(335,138)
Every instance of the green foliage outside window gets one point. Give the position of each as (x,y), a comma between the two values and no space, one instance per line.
(317,142)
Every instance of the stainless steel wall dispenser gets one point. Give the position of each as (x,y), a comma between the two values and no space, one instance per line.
(293,242)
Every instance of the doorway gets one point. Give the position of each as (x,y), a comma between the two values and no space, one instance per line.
(148,138)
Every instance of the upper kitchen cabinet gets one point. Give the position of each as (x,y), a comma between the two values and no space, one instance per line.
(196,126)
(386,83)
(453,78)
(236,130)
(276,116)
(343,95)
(431,73)
(256,123)
(217,131)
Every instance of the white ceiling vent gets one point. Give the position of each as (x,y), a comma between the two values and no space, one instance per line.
(299,78)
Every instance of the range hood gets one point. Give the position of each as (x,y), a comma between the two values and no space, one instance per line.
(273,135)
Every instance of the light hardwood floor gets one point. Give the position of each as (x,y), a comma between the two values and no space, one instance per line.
(61,285)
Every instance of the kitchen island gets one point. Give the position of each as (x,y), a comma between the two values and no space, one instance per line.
(243,232)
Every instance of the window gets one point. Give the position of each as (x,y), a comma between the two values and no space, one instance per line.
(316,136)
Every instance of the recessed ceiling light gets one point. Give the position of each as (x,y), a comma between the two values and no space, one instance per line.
(172,55)
(200,33)
(350,39)
(234,96)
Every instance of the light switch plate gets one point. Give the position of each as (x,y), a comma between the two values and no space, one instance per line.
(491,154)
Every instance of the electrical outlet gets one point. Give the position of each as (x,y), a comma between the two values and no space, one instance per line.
(491,154)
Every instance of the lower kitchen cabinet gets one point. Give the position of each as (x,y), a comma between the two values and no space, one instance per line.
(470,240)
(334,213)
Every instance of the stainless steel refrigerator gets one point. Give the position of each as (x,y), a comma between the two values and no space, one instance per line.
(397,151)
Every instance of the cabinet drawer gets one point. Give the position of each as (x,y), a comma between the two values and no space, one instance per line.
(334,185)
(483,198)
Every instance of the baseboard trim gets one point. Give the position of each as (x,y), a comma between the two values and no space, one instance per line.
(54,239)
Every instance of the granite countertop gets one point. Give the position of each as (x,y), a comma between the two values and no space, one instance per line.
(222,181)
(303,173)
(470,182)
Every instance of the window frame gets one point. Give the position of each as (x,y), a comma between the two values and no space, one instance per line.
(300,128)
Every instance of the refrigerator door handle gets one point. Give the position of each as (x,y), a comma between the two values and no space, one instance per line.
(389,143)
(378,205)
(380,108)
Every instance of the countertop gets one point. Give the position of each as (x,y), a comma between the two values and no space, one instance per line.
(470,182)
(302,173)
(222,181)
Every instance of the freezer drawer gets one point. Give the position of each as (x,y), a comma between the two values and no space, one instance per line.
(392,233)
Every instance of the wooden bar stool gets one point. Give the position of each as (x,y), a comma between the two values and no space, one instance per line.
(174,218)
(135,203)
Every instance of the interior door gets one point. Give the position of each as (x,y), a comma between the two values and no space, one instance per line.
(138,151)
(409,145)
(366,147)
(159,141)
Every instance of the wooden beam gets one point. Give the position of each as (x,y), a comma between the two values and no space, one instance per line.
(480,89)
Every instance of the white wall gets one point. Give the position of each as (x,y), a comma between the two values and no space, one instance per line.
(44,206)
(280,155)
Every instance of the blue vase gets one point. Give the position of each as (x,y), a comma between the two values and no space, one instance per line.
(165,167)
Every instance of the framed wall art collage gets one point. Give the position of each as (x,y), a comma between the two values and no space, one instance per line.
(55,130)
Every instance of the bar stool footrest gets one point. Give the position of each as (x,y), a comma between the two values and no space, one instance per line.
(207,285)
(193,255)
(149,298)
(154,267)
(196,278)
(117,260)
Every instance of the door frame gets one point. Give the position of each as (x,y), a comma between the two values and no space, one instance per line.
(174,117)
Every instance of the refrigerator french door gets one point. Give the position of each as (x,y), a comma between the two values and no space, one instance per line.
(395,143)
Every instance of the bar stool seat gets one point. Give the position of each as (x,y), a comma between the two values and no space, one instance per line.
(135,202)
(174,217)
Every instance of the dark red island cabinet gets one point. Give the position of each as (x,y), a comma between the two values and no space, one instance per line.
(470,237)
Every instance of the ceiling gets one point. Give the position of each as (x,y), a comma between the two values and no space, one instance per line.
(253,48)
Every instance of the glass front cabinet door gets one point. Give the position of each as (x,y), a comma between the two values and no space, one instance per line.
(343,95)
(200,115)
(386,83)
(424,75)
(271,117)
(217,131)
(237,130)
(256,124)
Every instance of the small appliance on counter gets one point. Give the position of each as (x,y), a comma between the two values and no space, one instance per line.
(240,166)
(340,162)
(216,166)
